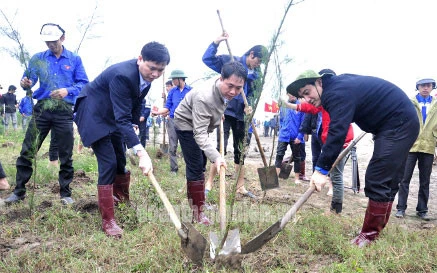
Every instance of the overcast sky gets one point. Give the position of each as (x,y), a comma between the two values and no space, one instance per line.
(391,39)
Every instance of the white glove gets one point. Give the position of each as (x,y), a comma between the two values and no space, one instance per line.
(145,163)
(220,161)
(318,180)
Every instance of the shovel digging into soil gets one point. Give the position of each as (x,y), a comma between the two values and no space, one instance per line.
(271,232)
(231,240)
(192,242)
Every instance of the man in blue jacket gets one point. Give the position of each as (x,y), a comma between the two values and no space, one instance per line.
(378,107)
(106,112)
(61,76)
(234,114)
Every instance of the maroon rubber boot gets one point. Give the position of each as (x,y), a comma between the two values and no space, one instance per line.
(106,207)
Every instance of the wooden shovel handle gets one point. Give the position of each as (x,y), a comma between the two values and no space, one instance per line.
(258,142)
(292,211)
(243,95)
(222,194)
(174,218)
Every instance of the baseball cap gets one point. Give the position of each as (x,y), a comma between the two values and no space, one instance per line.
(424,81)
(51,32)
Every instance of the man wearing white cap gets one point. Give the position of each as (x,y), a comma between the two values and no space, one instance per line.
(422,151)
(61,77)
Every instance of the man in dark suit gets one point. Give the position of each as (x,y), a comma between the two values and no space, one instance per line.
(106,112)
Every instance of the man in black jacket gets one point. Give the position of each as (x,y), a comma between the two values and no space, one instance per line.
(11,104)
(378,107)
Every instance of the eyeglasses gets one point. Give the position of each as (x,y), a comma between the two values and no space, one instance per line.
(51,24)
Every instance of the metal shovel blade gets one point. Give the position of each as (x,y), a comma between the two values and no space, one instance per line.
(164,148)
(260,240)
(268,178)
(285,170)
(231,246)
(194,245)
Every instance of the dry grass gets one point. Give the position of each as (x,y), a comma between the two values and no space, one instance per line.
(54,238)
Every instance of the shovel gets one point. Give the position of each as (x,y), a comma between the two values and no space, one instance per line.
(232,243)
(271,232)
(164,147)
(192,242)
(267,175)
(286,168)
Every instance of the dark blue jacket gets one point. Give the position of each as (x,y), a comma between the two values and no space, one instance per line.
(112,102)
(235,107)
(374,104)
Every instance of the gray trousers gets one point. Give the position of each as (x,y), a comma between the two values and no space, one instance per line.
(13,117)
(337,181)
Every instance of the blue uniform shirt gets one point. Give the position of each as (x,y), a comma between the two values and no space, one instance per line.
(235,107)
(52,73)
(174,97)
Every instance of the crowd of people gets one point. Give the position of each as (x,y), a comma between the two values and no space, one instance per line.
(323,106)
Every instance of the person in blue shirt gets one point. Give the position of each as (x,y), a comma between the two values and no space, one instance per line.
(25,108)
(174,97)
(61,77)
(235,111)
(290,134)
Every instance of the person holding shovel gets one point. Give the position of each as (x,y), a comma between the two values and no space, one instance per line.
(378,107)
(336,187)
(199,113)
(289,134)
(236,109)
(174,97)
(106,112)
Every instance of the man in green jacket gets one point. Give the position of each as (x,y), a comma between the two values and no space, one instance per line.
(422,150)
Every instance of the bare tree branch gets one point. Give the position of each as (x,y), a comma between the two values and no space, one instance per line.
(86,27)
(20,53)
